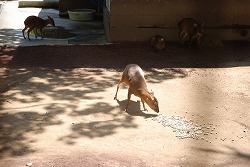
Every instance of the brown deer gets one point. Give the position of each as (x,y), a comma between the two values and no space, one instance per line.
(191,28)
(212,42)
(157,42)
(34,22)
(133,76)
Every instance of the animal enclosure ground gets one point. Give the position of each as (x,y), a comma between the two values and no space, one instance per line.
(57,107)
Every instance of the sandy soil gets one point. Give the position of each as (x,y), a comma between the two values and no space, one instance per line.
(57,107)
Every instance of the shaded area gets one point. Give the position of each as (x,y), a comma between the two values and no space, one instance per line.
(37,73)
(15,127)
(6,55)
(10,37)
(71,97)
(89,39)
(69,75)
(238,157)
(117,56)
(92,127)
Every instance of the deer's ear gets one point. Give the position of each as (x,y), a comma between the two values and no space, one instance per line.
(146,95)
(150,97)
(152,93)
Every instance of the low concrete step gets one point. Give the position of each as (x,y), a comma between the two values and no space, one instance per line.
(38,3)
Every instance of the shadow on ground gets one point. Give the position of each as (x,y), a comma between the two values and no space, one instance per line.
(68,90)
(69,75)
(237,157)
(117,56)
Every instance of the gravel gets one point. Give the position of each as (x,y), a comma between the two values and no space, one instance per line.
(183,128)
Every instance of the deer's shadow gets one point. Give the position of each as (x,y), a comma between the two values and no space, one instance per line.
(134,108)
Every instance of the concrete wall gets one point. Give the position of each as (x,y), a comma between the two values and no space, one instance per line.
(138,20)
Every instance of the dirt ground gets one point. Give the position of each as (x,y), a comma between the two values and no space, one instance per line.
(57,107)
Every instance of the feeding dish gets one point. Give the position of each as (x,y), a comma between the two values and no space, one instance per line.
(81,14)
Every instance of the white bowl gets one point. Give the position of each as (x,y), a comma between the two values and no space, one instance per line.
(81,14)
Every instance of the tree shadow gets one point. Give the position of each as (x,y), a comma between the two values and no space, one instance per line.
(240,154)
(10,37)
(16,129)
(92,126)
(25,110)
(240,157)
(51,82)
(156,75)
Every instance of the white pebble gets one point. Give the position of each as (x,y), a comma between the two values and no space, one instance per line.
(29,164)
